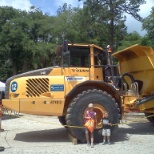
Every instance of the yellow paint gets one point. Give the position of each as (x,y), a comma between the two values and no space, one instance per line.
(12,104)
(43,106)
(139,61)
(146,106)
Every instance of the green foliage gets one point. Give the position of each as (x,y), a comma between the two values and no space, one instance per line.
(28,40)
(25,41)
(129,40)
(148,25)
(108,17)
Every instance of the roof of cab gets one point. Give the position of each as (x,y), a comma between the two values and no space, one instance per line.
(85,45)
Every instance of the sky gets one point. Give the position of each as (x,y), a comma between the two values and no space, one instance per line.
(51,6)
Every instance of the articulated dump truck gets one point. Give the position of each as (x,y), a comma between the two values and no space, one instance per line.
(85,76)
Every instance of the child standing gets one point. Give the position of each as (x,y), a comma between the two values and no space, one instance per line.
(90,114)
(106,132)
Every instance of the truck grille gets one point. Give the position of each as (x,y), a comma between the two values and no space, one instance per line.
(35,87)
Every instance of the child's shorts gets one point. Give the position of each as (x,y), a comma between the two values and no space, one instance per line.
(106,132)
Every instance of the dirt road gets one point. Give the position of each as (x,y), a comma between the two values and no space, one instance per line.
(44,135)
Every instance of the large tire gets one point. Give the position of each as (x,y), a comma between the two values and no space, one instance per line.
(151,119)
(102,102)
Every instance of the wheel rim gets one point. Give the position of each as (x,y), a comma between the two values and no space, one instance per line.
(99,109)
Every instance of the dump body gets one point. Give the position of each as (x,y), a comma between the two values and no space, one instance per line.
(139,62)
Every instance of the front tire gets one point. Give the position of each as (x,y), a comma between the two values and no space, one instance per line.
(102,102)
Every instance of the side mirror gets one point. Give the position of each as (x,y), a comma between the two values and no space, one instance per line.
(65,46)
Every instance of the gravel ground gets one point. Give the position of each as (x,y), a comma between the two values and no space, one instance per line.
(44,135)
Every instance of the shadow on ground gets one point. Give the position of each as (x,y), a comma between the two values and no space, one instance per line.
(52,135)
(138,128)
(61,135)
(11,116)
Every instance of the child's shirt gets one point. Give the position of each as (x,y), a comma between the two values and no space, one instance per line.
(105,122)
(91,114)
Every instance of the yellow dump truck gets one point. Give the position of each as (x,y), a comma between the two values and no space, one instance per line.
(85,76)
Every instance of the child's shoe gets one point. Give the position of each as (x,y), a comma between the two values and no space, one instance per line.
(88,144)
(92,145)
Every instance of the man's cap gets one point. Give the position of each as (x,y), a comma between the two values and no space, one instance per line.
(90,105)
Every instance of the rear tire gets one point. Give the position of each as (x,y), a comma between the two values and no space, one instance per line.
(151,119)
(77,108)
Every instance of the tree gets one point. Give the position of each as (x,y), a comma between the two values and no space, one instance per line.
(25,40)
(65,27)
(15,41)
(7,15)
(110,14)
(41,33)
(129,40)
(148,25)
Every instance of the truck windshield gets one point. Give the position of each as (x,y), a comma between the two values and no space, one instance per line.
(77,57)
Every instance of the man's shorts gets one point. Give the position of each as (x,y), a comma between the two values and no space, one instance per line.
(106,132)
